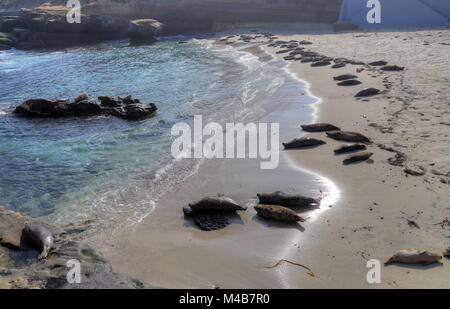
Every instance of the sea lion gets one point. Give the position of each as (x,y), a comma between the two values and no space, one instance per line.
(306,59)
(38,236)
(347,136)
(344,77)
(378,63)
(414,257)
(286,200)
(302,143)
(349,82)
(367,92)
(289,58)
(320,63)
(213,205)
(392,68)
(304,42)
(284,51)
(278,213)
(362,156)
(319,127)
(349,148)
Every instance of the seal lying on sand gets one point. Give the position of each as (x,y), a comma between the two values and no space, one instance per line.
(392,68)
(349,137)
(378,63)
(302,143)
(367,92)
(212,213)
(414,257)
(362,156)
(344,77)
(319,127)
(278,213)
(287,200)
(349,82)
(349,148)
(38,236)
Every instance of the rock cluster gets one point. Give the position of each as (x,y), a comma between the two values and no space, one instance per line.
(84,105)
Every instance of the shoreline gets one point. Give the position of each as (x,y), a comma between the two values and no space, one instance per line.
(369,221)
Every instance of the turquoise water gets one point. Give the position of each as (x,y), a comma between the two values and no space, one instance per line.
(65,169)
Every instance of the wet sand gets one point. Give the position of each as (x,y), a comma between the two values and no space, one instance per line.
(366,211)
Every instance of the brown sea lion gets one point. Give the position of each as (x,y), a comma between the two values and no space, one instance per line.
(286,200)
(213,205)
(319,127)
(302,143)
(349,137)
(278,213)
(362,156)
(350,148)
(414,257)
(38,236)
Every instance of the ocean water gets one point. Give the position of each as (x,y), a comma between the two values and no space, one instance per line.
(64,170)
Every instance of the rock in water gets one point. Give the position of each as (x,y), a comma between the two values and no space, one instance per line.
(367,92)
(39,237)
(349,82)
(363,156)
(378,63)
(344,77)
(84,105)
(414,257)
(278,213)
(392,68)
(214,205)
(302,143)
(319,127)
(286,200)
(349,137)
(349,148)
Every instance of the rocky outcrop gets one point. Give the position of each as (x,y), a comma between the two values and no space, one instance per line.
(20,268)
(144,30)
(84,105)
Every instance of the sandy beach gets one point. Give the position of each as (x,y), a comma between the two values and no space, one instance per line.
(365,208)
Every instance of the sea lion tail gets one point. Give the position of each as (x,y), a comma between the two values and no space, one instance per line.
(390,261)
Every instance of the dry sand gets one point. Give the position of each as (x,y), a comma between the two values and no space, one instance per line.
(369,220)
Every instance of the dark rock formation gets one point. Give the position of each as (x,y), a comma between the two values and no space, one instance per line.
(20,268)
(144,30)
(84,105)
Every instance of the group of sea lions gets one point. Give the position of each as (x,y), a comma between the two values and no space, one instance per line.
(335,133)
(214,213)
